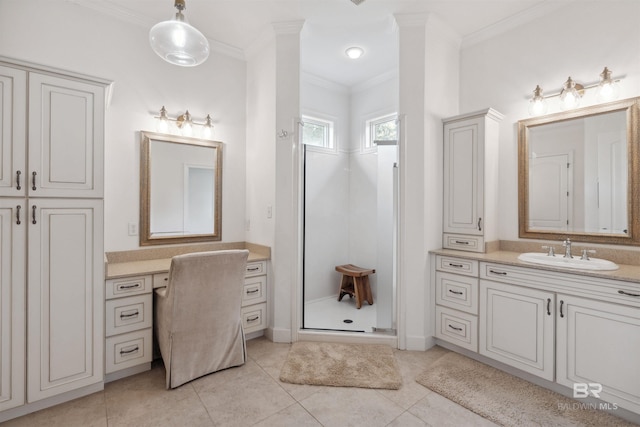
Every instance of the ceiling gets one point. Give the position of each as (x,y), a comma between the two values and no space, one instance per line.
(330,26)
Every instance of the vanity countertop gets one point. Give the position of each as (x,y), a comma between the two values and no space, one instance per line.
(629,273)
(158,260)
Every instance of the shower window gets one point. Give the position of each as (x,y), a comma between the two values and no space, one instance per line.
(381,129)
(318,133)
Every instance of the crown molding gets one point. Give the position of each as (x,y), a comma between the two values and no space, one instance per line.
(514,21)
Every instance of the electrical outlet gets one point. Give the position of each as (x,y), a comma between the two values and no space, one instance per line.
(133,229)
(269,211)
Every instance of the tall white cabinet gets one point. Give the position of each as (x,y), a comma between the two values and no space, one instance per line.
(51,213)
(471,180)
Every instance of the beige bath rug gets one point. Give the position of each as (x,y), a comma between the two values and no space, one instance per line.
(341,365)
(506,399)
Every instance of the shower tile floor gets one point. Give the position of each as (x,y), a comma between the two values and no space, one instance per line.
(329,313)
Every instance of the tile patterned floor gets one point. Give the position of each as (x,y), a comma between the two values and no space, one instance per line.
(252,395)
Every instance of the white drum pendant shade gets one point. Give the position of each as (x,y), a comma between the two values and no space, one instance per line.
(179,43)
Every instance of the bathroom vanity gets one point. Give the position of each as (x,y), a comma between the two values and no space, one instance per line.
(564,326)
(131,277)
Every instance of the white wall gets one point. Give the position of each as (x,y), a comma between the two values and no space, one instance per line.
(63,35)
(502,73)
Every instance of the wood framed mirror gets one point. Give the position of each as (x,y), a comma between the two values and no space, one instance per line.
(578,175)
(180,189)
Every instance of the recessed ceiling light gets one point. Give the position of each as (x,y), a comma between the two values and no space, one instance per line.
(354,52)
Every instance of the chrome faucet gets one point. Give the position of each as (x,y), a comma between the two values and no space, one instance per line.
(567,248)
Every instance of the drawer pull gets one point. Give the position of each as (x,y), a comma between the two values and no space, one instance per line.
(253,319)
(33,214)
(502,273)
(18,187)
(461,242)
(549,306)
(454,328)
(253,291)
(129,315)
(455,265)
(18,222)
(561,304)
(132,286)
(456,292)
(33,174)
(133,350)
(253,268)
(628,293)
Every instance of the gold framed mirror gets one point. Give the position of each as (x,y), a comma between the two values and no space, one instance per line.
(578,175)
(180,189)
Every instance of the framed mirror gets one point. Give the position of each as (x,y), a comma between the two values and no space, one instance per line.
(578,175)
(180,189)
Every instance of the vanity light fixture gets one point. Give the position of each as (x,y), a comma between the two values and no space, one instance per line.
(177,42)
(354,52)
(184,123)
(572,92)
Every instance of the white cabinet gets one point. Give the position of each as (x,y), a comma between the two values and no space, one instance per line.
(470,180)
(599,342)
(64,304)
(517,327)
(12,302)
(51,189)
(13,105)
(128,326)
(457,301)
(66,127)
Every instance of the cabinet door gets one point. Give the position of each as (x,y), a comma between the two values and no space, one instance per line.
(65,296)
(599,343)
(463,177)
(66,132)
(517,327)
(13,101)
(12,304)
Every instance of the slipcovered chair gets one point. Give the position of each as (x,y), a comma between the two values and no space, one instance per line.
(197,316)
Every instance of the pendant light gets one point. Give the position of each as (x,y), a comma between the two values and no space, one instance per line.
(177,42)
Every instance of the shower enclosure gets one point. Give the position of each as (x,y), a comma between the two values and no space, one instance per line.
(349,218)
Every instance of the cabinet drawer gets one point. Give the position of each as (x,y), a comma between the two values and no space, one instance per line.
(116,288)
(256,268)
(127,350)
(458,292)
(255,290)
(457,328)
(160,280)
(457,265)
(254,317)
(128,314)
(463,242)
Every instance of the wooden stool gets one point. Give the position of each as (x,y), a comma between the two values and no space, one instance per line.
(355,281)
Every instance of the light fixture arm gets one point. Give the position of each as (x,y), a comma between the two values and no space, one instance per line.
(184,121)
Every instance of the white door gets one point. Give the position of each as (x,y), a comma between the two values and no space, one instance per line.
(65,296)
(12,303)
(66,132)
(13,91)
(612,183)
(517,327)
(599,343)
(463,178)
(550,194)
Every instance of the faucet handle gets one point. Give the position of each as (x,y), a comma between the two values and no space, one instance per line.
(550,250)
(586,252)
(566,242)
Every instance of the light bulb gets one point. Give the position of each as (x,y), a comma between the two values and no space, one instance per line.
(162,125)
(537,104)
(207,129)
(570,97)
(354,52)
(607,88)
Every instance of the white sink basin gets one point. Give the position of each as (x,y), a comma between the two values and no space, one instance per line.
(575,263)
